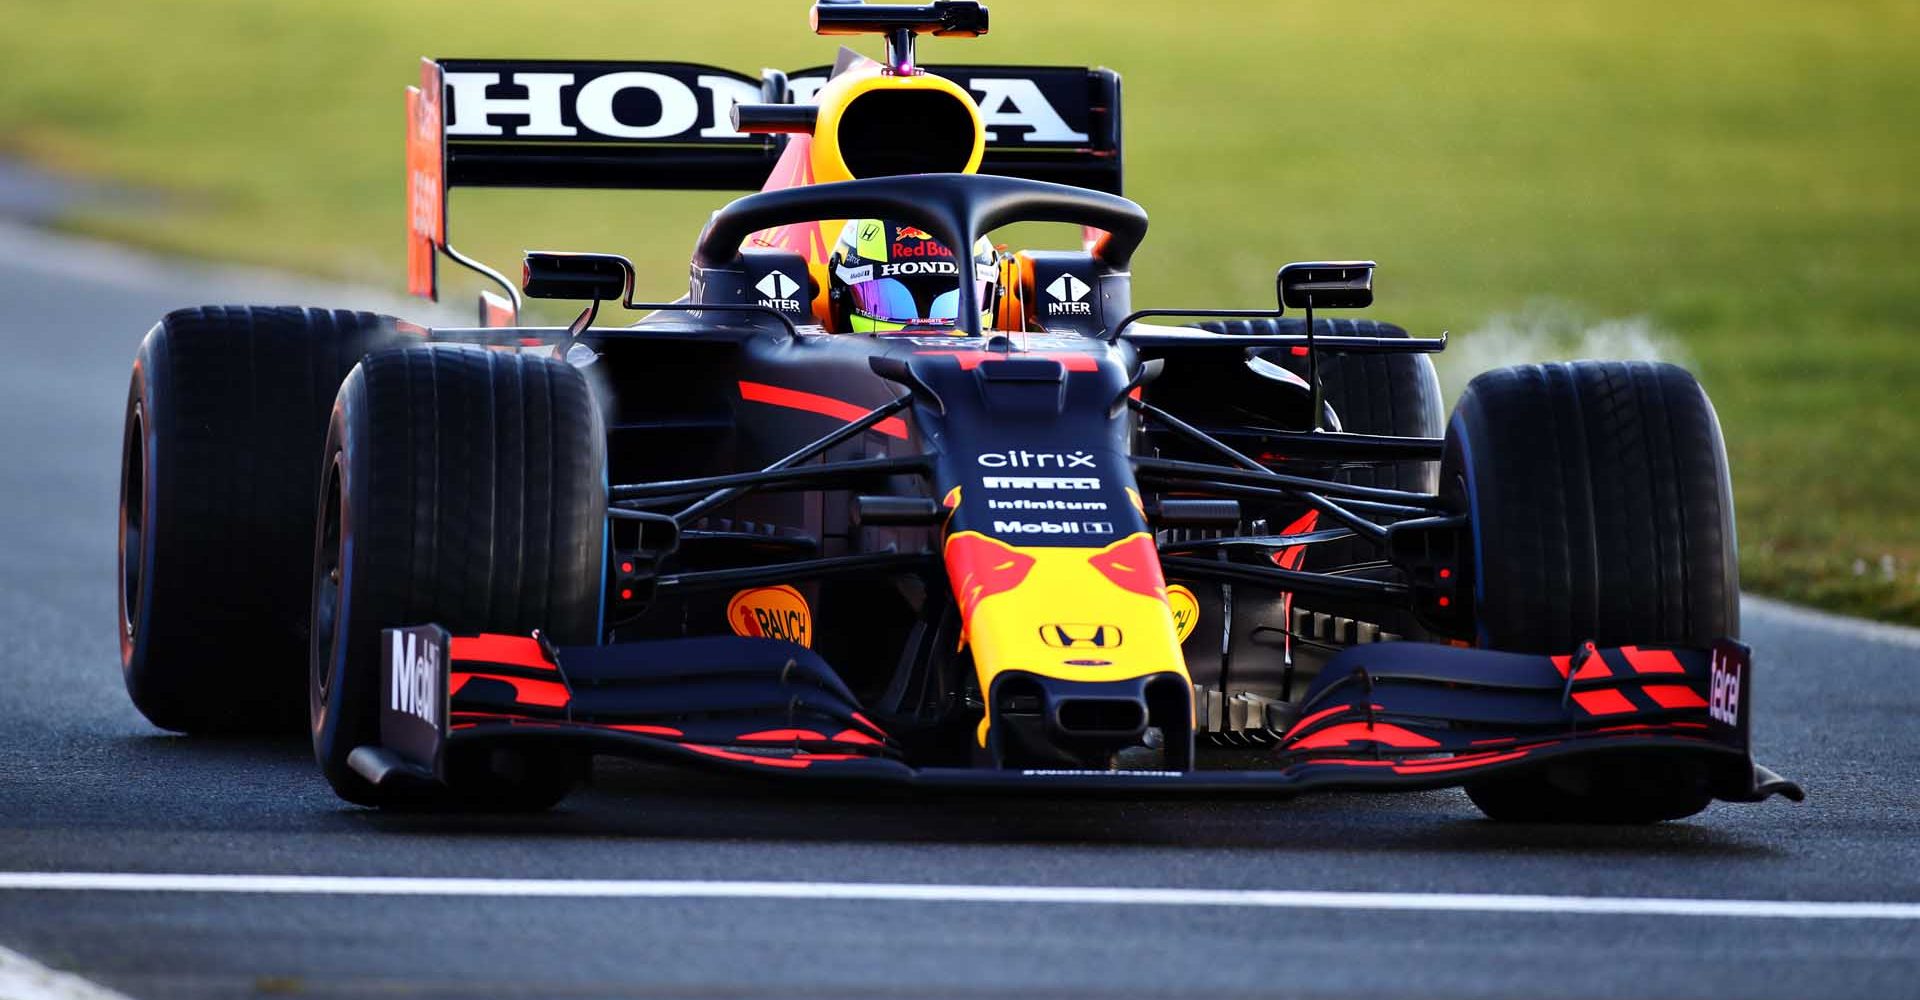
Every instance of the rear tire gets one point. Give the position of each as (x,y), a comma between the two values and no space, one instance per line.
(1390,394)
(226,412)
(463,487)
(1602,510)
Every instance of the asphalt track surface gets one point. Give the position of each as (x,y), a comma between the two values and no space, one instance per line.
(86,786)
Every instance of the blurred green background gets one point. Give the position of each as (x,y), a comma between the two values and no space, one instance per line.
(1734,186)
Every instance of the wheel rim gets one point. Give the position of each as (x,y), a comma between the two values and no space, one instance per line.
(133,520)
(327,574)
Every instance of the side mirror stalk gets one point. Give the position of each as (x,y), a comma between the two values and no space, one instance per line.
(1333,285)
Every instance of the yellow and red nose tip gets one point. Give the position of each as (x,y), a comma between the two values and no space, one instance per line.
(1074,613)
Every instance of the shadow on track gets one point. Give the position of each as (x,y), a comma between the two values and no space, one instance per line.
(635,800)
(160,783)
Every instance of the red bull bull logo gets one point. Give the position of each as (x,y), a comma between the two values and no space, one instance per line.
(982,567)
(1132,564)
(911,242)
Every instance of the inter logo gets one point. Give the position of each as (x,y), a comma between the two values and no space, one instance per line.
(1069,297)
(778,290)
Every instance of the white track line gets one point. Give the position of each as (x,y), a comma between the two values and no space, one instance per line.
(354,885)
(22,978)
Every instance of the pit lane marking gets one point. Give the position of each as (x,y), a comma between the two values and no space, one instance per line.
(1268,899)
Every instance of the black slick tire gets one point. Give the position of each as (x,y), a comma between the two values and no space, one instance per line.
(1602,510)
(462,487)
(220,458)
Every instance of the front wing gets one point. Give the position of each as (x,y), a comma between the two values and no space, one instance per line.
(1383,716)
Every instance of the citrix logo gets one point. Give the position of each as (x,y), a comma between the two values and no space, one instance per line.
(1036,460)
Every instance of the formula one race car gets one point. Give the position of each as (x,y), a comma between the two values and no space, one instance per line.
(878,502)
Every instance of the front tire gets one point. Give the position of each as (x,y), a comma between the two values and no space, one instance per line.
(462,487)
(1602,509)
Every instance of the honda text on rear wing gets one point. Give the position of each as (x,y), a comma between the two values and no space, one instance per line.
(642,125)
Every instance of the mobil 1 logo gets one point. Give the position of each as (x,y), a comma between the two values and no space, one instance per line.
(413,693)
(1051,527)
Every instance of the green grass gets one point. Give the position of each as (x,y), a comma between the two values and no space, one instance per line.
(1732,183)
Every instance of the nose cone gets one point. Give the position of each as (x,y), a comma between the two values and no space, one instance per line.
(1042,721)
(1076,647)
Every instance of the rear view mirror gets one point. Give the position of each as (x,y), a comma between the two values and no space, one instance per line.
(1340,284)
(552,274)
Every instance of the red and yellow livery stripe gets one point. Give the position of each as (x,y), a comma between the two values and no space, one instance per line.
(1010,595)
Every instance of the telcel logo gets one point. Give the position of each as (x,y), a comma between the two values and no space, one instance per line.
(1723,689)
(1036,460)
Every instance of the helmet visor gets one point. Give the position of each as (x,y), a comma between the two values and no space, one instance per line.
(894,301)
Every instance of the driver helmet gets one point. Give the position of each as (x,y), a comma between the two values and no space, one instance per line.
(886,276)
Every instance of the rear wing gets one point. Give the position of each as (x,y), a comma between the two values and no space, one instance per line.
(640,125)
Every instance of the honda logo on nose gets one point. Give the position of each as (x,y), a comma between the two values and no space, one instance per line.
(1080,636)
